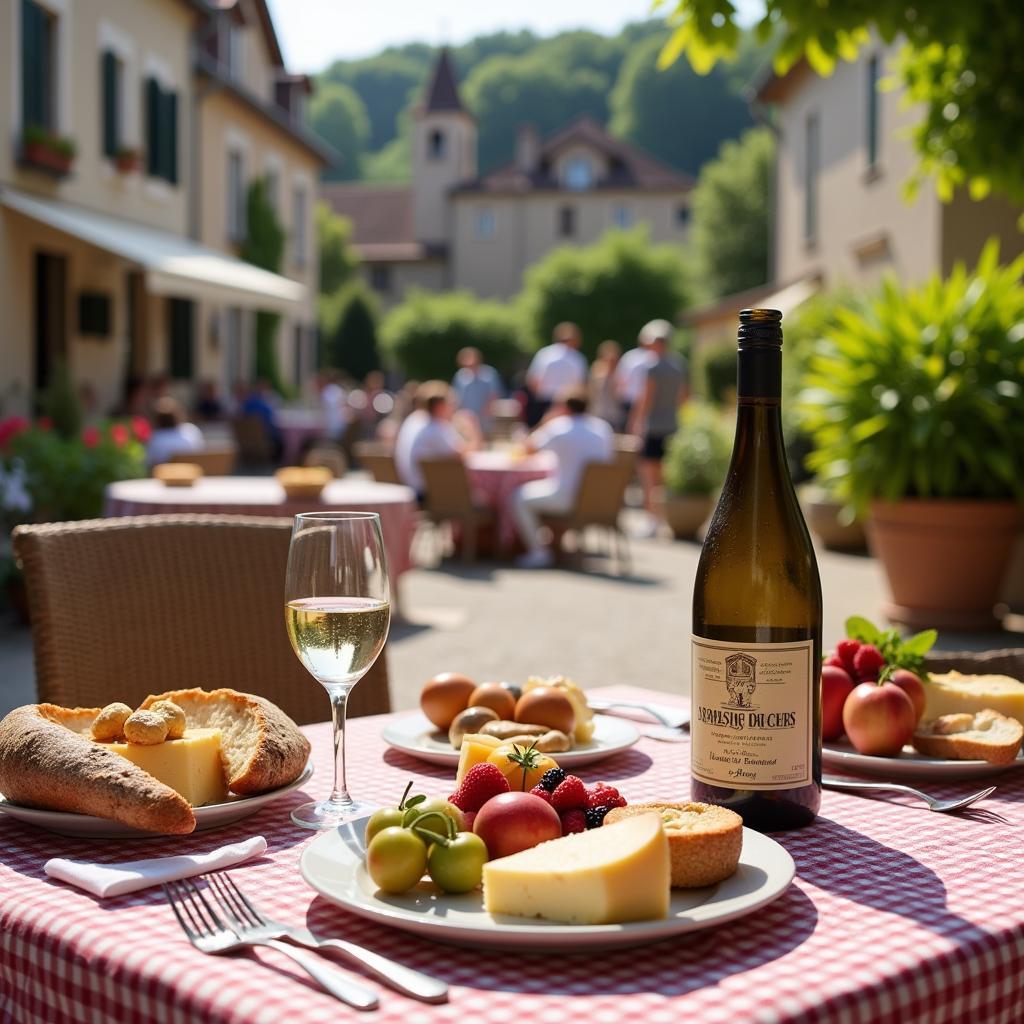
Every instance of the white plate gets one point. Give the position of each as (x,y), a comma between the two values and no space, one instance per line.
(209,817)
(333,865)
(841,756)
(414,734)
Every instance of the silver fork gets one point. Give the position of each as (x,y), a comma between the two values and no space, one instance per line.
(934,803)
(244,914)
(209,934)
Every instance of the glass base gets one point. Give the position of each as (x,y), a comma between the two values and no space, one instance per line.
(327,814)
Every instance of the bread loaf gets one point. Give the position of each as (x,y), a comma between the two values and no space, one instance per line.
(985,736)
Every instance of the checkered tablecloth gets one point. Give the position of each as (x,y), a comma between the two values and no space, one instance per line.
(897,916)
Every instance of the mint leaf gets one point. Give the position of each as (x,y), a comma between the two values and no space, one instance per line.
(920,643)
(858,628)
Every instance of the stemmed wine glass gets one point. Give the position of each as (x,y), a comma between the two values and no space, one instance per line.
(337,613)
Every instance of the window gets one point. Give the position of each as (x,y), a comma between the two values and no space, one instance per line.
(112,75)
(300,214)
(38,67)
(236,51)
(872,120)
(567,221)
(579,174)
(682,215)
(380,277)
(236,196)
(812,158)
(622,216)
(436,145)
(181,326)
(483,226)
(161,132)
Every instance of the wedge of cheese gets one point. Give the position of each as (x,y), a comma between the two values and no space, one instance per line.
(606,875)
(191,765)
(475,748)
(951,694)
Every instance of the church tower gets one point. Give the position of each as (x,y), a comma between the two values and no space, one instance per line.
(444,152)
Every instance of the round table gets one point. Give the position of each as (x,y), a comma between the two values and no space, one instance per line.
(264,496)
(496,475)
(296,427)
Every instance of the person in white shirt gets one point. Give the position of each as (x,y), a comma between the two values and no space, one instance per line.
(631,373)
(576,438)
(171,434)
(333,406)
(554,369)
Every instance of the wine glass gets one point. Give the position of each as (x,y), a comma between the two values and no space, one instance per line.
(337,613)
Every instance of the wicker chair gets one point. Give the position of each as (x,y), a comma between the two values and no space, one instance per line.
(627,449)
(213,460)
(599,500)
(449,499)
(254,445)
(378,459)
(329,457)
(122,608)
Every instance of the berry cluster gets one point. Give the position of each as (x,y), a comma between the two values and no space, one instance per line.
(579,807)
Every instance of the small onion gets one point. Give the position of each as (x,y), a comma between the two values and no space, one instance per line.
(470,720)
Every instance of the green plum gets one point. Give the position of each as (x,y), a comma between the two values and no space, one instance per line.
(396,859)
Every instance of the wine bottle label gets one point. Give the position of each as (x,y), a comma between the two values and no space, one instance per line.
(752,719)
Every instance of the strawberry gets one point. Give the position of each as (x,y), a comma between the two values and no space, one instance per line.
(868,662)
(847,651)
(834,659)
(481,782)
(601,794)
(570,794)
(542,793)
(573,820)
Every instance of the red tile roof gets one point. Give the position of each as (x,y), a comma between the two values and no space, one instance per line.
(382,221)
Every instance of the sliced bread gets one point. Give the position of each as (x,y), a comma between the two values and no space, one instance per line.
(984,736)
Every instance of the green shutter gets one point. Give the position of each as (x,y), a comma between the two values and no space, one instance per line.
(170,104)
(33,92)
(111,104)
(152,127)
(181,336)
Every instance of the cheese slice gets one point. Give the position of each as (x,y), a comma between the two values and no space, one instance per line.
(191,765)
(476,747)
(951,694)
(607,875)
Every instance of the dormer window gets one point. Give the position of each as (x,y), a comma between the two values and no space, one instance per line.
(436,145)
(579,174)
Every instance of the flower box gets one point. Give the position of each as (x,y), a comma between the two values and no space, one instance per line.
(47,152)
(128,161)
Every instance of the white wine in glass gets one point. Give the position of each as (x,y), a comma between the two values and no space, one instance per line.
(337,615)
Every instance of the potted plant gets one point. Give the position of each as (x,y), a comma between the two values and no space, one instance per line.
(47,151)
(694,468)
(834,525)
(127,159)
(916,408)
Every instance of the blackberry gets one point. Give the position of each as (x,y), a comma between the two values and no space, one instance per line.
(553,778)
(595,816)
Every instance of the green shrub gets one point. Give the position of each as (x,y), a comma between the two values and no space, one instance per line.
(698,454)
(423,335)
(919,395)
(348,330)
(715,372)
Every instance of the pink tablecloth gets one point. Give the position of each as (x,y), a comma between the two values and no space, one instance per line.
(496,475)
(263,496)
(296,427)
(897,916)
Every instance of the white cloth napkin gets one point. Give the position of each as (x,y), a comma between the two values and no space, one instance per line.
(105,880)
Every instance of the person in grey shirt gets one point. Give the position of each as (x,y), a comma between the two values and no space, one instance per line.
(477,386)
(655,417)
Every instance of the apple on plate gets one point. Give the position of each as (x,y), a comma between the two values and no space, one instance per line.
(511,822)
(836,687)
(879,718)
(912,686)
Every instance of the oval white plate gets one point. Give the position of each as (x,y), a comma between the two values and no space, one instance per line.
(333,865)
(209,817)
(841,756)
(414,734)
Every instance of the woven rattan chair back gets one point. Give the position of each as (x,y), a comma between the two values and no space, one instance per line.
(448,494)
(627,449)
(219,461)
(328,457)
(122,608)
(601,494)
(250,434)
(378,460)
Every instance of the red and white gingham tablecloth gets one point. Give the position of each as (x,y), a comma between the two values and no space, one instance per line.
(897,916)
(495,476)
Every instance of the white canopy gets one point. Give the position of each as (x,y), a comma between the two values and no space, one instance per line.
(174,265)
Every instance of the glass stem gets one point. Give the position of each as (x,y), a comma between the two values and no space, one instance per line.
(339,702)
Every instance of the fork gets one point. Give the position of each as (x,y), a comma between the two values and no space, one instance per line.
(934,803)
(209,934)
(246,918)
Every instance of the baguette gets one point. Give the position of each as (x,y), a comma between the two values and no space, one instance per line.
(985,736)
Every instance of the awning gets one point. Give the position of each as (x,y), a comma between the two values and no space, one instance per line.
(173,265)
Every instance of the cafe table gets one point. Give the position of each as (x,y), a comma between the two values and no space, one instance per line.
(297,427)
(496,474)
(897,915)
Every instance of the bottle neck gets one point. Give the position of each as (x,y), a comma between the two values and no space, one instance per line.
(759,374)
(759,437)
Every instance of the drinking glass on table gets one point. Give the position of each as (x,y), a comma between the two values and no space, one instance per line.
(337,613)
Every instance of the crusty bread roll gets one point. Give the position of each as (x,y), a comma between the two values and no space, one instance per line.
(704,841)
(262,748)
(985,736)
(48,760)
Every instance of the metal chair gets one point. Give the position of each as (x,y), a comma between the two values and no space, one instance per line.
(122,608)
(449,499)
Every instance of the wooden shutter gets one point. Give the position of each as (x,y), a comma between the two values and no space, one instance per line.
(181,337)
(170,131)
(152,127)
(33,66)
(111,104)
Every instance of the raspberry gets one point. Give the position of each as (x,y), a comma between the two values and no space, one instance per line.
(847,651)
(600,794)
(542,793)
(569,794)
(573,820)
(481,782)
(836,661)
(595,816)
(868,662)
(553,778)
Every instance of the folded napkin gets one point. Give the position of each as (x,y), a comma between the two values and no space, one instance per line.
(105,880)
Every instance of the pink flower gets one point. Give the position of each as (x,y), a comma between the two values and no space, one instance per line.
(119,434)
(141,429)
(44,423)
(90,437)
(10,428)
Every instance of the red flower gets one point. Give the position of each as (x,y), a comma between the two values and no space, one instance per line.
(141,429)
(44,423)
(90,437)
(119,434)
(10,428)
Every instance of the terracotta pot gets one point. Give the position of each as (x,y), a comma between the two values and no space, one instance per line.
(127,164)
(945,560)
(824,522)
(686,513)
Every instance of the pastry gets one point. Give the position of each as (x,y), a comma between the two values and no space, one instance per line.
(985,736)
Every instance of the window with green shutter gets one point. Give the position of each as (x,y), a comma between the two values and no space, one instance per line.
(152,127)
(181,327)
(110,70)
(37,67)
(161,132)
(170,150)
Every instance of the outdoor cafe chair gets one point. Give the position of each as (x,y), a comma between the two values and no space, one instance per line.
(378,460)
(213,460)
(327,456)
(449,499)
(254,444)
(125,607)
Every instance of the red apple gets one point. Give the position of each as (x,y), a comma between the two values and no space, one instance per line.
(912,686)
(834,660)
(879,719)
(510,822)
(836,686)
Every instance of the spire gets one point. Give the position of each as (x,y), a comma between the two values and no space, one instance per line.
(443,91)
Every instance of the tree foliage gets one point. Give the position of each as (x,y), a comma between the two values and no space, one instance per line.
(348,330)
(730,214)
(337,114)
(423,335)
(611,289)
(338,259)
(960,61)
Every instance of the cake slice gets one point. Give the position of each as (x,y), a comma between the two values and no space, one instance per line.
(984,736)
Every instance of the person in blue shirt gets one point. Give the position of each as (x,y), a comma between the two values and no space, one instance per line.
(477,387)
(261,403)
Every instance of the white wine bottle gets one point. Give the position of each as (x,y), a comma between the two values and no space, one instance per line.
(756,717)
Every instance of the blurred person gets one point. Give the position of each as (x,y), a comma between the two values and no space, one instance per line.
(554,368)
(172,435)
(477,387)
(631,373)
(576,438)
(604,399)
(208,404)
(655,417)
(333,404)
(262,402)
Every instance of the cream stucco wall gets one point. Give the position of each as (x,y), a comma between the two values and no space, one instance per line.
(431,275)
(433,177)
